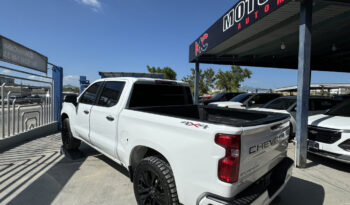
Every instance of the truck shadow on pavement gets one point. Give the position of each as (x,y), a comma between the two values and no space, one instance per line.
(114,165)
(48,184)
(299,191)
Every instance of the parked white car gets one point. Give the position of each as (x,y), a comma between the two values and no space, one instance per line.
(177,152)
(247,100)
(329,134)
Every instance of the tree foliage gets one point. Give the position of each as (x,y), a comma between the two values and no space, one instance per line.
(71,89)
(206,80)
(167,71)
(231,80)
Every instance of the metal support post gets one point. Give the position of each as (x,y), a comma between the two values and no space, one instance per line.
(57,75)
(8,113)
(3,110)
(196,84)
(304,76)
(13,117)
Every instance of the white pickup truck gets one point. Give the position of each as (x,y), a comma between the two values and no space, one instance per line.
(177,152)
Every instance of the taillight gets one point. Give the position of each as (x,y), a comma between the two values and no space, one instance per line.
(228,168)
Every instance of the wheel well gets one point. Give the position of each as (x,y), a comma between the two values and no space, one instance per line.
(142,152)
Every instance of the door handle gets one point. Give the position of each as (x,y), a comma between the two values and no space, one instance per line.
(86,111)
(110,118)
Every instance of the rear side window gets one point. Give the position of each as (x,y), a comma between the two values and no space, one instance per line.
(89,96)
(263,99)
(147,95)
(323,104)
(281,104)
(110,93)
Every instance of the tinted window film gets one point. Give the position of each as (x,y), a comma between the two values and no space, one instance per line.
(228,96)
(262,99)
(240,98)
(323,104)
(341,110)
(111,93)
(89,96)
(145,95)
(281,104)
(217,96)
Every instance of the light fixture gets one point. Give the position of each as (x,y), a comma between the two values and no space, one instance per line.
(334,48)
(283,45)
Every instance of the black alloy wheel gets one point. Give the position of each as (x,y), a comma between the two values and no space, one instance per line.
(154,183)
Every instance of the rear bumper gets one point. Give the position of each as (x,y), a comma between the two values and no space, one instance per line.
(263,191)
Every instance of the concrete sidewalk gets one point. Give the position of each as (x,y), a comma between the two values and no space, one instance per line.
(36,173)
(324,181)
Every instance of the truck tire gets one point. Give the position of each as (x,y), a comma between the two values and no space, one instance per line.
(154,183)
(69,142)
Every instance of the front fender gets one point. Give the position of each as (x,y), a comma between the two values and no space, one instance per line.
(70,110)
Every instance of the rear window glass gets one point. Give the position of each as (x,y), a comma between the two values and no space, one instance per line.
(280,104)
(264,98)
(217,96)
(240,98)
(147,95)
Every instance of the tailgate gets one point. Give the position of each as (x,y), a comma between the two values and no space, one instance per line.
(262,148)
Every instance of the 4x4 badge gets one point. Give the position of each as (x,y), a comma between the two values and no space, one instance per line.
(197,125)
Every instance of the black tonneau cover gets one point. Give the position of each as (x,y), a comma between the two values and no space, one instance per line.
(226,116)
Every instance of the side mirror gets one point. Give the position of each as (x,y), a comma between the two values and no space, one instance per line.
(71,99)
(252,102)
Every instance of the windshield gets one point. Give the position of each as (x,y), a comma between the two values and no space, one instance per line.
(240,98)
(280,104)
(341,110)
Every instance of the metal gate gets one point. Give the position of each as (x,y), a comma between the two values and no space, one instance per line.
(24,106)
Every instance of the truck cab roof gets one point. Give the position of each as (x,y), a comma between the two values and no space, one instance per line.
(135,79)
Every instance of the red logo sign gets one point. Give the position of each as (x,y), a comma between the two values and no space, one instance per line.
(201,46)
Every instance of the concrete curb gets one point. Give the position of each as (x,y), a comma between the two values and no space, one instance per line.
(38,132)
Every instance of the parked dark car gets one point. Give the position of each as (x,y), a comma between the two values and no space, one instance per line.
(247,100)
(317,105)
(225,96)
(341,97)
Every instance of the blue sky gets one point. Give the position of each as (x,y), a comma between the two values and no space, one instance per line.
(87,36)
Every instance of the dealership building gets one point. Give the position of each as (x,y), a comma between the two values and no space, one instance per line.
(291,34)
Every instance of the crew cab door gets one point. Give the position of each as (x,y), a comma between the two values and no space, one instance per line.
(104,117)
(81,124)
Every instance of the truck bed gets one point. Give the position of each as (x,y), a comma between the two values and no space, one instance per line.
(232,117)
